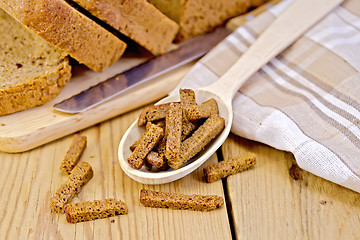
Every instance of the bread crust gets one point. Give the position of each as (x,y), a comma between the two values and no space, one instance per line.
(68,29)
(34,92)
(136,19)
(32,71)
(197,16)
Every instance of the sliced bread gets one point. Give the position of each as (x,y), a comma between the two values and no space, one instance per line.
(32,72)
(198,16)
(68,29)
(136,19)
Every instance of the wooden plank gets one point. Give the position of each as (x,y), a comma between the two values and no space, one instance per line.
(43,124)
(27,181)
(266,201)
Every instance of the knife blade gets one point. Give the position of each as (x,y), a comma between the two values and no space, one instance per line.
(154,67)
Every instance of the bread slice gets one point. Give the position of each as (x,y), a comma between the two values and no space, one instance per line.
(32,72)
(197,16)
(136,19)
(68,29)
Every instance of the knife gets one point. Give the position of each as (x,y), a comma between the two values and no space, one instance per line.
(186,52)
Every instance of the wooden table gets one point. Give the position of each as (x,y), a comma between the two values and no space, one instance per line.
(264,202)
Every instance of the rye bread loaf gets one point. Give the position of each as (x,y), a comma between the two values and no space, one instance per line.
(32,71)
(69,30)
(197,16)
(136,19)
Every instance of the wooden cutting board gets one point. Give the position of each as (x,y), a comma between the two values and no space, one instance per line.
(31,128)
(28,129)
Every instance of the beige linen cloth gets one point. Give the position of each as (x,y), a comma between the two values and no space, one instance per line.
(307,99)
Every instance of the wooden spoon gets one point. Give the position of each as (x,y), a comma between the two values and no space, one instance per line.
(293,22)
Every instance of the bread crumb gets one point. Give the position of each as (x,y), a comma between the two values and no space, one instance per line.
(296,172)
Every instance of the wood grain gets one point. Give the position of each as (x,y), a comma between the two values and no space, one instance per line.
(263,202)
(266,201)
(29,179)
(43,124)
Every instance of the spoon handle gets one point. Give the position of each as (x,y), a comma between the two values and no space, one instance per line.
(293,22)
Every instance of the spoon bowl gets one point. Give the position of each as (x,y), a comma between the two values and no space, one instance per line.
(293,22)
(159,177)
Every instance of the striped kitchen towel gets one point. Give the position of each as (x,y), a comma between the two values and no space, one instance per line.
(307,99)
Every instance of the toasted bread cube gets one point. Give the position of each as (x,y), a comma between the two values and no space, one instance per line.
(153,113)
(173,134)
(72,156)
(179,201)
(203,110)
(155,160)
(200,138)
(146,143)
(79,176)
(187,97)
(86,211)
(187,128)
(229,167)
(156,157)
